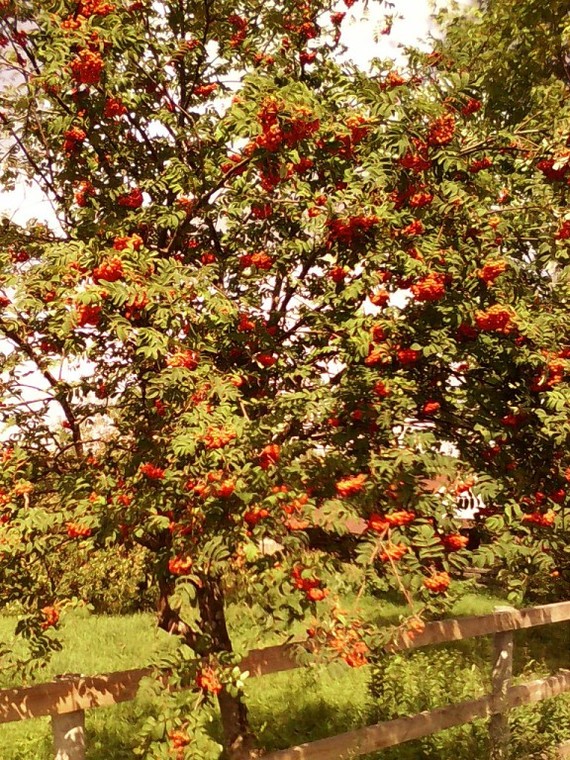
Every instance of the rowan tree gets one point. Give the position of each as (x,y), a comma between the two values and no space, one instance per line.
(280,285)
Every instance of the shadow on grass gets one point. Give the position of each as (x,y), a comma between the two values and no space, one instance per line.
(307,705)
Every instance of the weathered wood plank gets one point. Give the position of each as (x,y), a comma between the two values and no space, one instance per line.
(542,688)
(387,734)
(69,735)
(283,657)
(260,662)
(69,695)
(502,673)
(442,631)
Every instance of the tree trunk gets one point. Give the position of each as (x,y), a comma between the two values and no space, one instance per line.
(239,740)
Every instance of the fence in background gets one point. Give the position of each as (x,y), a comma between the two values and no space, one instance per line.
(67,699)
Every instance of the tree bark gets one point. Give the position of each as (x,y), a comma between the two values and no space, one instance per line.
(239,740)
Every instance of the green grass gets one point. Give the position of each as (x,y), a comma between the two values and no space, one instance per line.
(97,644)
(91,644)
(310,703)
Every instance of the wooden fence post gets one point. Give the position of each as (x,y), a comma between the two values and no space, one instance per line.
(69,735)
(500,681)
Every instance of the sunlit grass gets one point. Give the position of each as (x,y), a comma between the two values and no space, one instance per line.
(286,708)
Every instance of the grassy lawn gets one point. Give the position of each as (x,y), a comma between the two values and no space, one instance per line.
(288,708)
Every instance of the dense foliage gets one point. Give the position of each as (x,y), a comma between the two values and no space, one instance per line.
(285,302)
(517,51)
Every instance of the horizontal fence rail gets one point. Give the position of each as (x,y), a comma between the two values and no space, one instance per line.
(393,732)
(66,699)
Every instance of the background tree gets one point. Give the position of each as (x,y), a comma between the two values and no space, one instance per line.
(282,284)
(517,51)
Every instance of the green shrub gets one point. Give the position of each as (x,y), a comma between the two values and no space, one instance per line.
(113,581)
(406,684)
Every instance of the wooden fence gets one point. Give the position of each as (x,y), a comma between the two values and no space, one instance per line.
(66,700)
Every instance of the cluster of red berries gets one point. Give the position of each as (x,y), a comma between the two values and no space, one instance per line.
(205,90)
(75,530)
(306,29)
(393,552)
(269,177)
(217,484)
(429,288)
(381,389)
(380,297)
(180,565)
(337,18)
(74,138)
(132,199)
(110,270)
(88,8)
(269,456)
(114,108)
(88,314)
(128,241)
(441,131)
(544,520)
(266,360)
(407,356)
(513,420)
(178,741)
(263,211)
(255,515)
(87,67)
(285,131)
(553,375)
(84,191)
(420,199)
(491,270)
(151,471)
(466,332)
(217,438)
(351,230)
(208,680)
(311,586)
(338,274)
(413,229)
(51,617)
(186,359)
(380,523)
(453,542)
(414,195)
(347,641)
(350,485)
(232,165)
(377,357)
(480,164)
(134,309)
(438,582)
(261,260)
(472,106)
(293,510)
(555,169)
(496,318)
(431,407)
(393,79)
(417,161)
(240,26)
